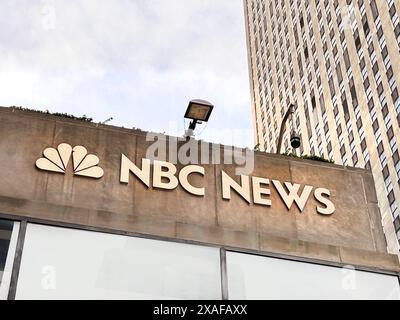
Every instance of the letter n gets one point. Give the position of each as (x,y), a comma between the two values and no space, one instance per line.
(128,166)
(242,189)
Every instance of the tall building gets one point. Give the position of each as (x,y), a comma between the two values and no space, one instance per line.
(338,61)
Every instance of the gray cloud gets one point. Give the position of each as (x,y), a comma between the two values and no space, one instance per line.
(139,61)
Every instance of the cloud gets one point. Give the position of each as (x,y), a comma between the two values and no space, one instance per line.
(139,61)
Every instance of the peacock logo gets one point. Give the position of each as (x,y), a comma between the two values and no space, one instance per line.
(84,164)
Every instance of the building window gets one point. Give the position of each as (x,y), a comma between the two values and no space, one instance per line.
(355,159)
(94,265)
(397,224)
(8,242)
(267,278)
(374,9)
(391,197)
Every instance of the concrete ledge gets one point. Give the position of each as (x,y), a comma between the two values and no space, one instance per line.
(369,259)
(168,229)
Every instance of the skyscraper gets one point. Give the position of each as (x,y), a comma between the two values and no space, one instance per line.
(338,61)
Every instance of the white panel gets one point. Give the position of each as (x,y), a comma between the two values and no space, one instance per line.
(59,263)
(257,277)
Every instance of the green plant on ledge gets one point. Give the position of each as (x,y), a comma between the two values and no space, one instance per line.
(308,157)
(57,114)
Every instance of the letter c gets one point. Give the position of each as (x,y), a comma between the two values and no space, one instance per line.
(183,179)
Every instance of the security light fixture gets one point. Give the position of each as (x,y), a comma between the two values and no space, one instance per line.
(295,140)
(198,111)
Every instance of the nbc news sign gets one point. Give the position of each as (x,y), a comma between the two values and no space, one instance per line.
(164,175)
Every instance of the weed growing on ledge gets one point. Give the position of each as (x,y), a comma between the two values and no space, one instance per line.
(57,114)
(308,157)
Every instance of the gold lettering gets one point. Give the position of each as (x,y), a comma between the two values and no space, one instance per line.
(128,166)
(228,183)
(183,179)
(293,196)
(329,206)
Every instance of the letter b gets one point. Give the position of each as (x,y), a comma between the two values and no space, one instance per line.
(169,174)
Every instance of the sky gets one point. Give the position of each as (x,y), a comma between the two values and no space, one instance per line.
(138,61)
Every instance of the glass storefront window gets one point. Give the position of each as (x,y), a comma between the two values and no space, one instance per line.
(60,263)
(263,278)
(8,242)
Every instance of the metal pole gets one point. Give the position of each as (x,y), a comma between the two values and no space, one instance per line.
(284,120)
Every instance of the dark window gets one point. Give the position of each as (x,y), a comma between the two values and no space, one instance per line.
(313,102)
(335,50)
(389,73)
(345,106)
(6,228)
(379,33)
(385,52)
(359,123)
(351,136)
(392,10)
(347,59)
(353,94)
(375,125)
(326,128)
(380,88)
(355,159)
(342,151)
(363,145)
(385,172)
(332,87)
(362,63)
(329,147)
(306,53)
(371,104)
(339,130)
(366,84)
(397,224)
(335,110)
(342,36)
(380,148)
(332,34)
(395,95)
(328,64)
(397,30)
(374,9)
(357,41)
(322,104)
(396,157)
(365,25)
(391,197)
(319,15)
(325,47)
(375,68)
(339,73)
(385,110)
(335,4)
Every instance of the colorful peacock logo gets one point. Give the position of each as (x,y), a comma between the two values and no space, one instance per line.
(84,164)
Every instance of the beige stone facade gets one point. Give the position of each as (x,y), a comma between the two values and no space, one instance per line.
(338,62)
(351,235)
